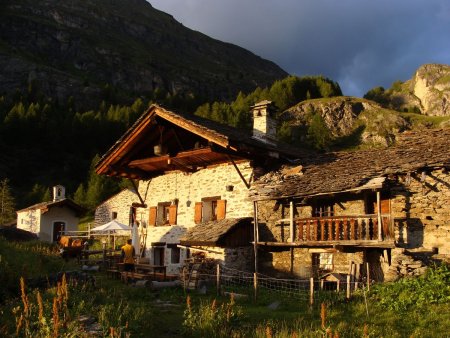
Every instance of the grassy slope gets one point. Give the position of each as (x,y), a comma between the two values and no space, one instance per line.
(396,310)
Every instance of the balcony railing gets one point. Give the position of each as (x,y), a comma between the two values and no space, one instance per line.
(341,228)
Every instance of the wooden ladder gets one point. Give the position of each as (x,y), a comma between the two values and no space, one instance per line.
(192,278)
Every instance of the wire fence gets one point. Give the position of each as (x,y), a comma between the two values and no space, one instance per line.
(329,286)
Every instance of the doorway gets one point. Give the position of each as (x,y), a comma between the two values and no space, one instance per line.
(58,228)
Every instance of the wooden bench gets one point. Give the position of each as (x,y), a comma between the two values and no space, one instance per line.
(126,275)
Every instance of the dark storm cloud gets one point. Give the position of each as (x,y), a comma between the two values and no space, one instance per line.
(360,44)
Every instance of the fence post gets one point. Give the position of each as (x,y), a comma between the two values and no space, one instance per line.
(255,284)
(218,279)
(311,291)
(184,279)
(348,286)
(368,276)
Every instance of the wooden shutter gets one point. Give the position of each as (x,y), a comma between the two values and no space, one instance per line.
(198,212)
(221,209)
(152,216)
(173,214)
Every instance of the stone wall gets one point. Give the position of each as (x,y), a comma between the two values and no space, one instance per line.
(120,204)
(421,210)
(186,189)
(298,262)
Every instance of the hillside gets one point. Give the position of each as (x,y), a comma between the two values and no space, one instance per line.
(427,92)
(118,50)
(342,123)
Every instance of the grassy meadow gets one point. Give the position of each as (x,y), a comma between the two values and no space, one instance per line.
(418,307)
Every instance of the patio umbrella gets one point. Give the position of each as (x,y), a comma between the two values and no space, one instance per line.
(135,239)
(111,226)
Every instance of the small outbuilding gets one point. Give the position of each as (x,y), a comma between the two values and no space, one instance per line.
(49,219)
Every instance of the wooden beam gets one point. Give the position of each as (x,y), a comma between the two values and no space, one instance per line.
(255,234)
(137,192)
(291,221)
(324,244)
(239,172)
(380,225)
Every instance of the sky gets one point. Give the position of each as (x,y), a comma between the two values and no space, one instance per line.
(361,44)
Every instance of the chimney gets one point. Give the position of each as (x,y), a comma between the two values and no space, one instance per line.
(59,193)
(264,123)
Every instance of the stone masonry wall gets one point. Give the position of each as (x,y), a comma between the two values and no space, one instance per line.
(119,203)
(188,188)
(421,211)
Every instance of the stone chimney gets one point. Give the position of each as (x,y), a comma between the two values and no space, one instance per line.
(264,123)
(59,193)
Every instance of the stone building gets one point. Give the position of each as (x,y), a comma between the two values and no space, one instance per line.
(194,173)
(388,207)
(118,207)
(49,219)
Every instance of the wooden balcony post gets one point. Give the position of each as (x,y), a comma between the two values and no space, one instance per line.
(322,229)
(345,229)
(352,229)
(291,221)
(300,230)
(315,229)
(330,229)
(337,225)
(379,215)
(308,230)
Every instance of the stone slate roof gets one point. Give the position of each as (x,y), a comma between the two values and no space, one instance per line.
(212,233)
(342,171)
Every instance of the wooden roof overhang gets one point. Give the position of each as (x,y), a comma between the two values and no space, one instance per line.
(192,143)
(132,156)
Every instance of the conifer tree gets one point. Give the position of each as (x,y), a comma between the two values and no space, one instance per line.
(7,205)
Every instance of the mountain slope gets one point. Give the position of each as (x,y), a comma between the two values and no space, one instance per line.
(85,48)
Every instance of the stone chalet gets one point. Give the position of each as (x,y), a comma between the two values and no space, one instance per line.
(204,186)
(194,174)
(388,207)
(48,219)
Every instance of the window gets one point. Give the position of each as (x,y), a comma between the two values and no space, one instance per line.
(175,255)
(323,261)
(323,209)
(210,209)
(163,214)
(114,215)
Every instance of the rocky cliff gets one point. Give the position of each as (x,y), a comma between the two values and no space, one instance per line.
(427,92)
(92,49)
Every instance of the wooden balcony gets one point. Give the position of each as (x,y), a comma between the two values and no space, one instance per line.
(361,230)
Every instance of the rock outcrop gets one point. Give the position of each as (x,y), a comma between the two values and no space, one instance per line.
(431,85)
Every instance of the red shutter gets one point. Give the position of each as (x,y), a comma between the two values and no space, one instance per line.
(221,209)
(152,216)
(173,214)
(198,212)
